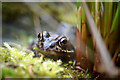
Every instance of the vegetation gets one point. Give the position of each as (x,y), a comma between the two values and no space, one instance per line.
(105,16)
(20,62)
(17,63)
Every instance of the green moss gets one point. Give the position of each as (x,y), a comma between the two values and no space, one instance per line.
(17,63)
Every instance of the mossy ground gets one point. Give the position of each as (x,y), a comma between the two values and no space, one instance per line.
(20,63)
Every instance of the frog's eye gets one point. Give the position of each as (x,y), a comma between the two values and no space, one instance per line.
(63,41)
(40,36)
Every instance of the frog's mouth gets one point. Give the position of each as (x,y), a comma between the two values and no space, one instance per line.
(65,51)
(58,49)
(59,54)
(61,51)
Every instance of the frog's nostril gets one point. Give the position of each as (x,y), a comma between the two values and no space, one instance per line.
(46,34)
(52,45)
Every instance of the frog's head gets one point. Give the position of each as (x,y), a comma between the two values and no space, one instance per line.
(55,46)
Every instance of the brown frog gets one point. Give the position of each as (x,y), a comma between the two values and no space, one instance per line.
(54,46)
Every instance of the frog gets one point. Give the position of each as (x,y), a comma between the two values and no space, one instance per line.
(54,46)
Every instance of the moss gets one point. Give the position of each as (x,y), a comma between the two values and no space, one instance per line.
(17,63)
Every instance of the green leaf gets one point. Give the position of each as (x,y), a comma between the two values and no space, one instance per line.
(115,20)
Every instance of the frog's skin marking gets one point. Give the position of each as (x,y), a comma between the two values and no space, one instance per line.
(54,46)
